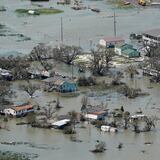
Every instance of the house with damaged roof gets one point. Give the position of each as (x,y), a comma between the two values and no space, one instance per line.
(61,84)
(151,36)
(20,110)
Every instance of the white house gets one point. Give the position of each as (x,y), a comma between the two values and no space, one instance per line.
(19,110)
(108,129)
(137,117)
(99,115)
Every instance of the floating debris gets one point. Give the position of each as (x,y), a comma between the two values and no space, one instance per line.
(148,143)
(32,145)
(5,155)
(120,145)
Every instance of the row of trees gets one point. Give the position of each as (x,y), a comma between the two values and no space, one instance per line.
(5,92)
(63,53)
(100,60)
(17,65)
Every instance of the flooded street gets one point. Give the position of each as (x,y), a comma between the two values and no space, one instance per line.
(80,28)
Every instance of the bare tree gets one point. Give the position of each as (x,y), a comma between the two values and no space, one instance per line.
(40,52)
(117,78)
(131,70)
(99,147)
(17,65)
(48,111)
(5,92)
(97,62)
(69,53)
(73,118)
(129,92)
(30,88)
(149,123)
(84,102)
(126,119)
(101,59)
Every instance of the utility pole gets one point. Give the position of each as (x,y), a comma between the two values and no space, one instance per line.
(61,30)
(79,41)
(72,70)
(115,24)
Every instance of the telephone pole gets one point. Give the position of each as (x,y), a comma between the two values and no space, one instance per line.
(115,32)
(61,30)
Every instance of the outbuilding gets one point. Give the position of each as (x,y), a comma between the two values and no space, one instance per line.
(19,111)
(111,41)
(151,36)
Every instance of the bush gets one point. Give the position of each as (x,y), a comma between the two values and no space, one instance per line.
(83,81)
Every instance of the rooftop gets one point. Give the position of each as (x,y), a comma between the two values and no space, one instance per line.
(23,107)
(98,112)
(61,122)
(153,32)
(113,39)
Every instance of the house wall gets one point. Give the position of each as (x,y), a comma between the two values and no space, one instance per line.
(118,51)
(91,116)
(68,87)
(150,40)
(10,111)
(102,42)
(21,112)
(94,116)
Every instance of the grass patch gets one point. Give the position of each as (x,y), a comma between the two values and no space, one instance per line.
(120,4)
(39,11)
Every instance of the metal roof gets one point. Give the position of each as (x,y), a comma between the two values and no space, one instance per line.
(61,122)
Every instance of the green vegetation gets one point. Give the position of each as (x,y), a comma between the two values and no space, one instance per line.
(121,4)
(39,11)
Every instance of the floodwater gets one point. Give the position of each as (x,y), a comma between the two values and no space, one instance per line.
(84,28)
(80,27)
(56,145)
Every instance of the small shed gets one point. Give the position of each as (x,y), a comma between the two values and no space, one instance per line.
(99,115)
(108,129)
(120,48)
(137,117)
(130,53)
(60,124)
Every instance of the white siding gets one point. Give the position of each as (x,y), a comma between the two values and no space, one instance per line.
(149,40)
(10,111)
(102,42)
(91,116)
(118,51)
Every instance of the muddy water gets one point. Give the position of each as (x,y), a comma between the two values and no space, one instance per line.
(83,28)
(87,26)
